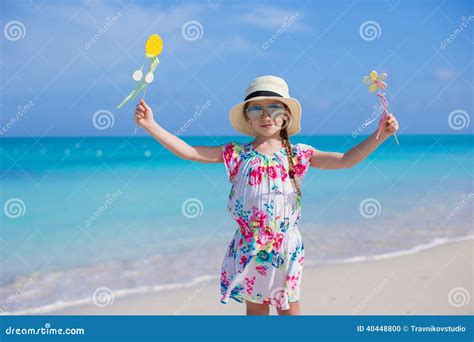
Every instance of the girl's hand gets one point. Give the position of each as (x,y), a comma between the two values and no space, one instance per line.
(144,115)
(389,125)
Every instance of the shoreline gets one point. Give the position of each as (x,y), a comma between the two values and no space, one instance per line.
(179,298)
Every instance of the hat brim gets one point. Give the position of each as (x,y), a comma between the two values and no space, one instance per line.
(237,119)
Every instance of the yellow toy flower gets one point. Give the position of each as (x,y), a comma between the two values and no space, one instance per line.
(153,47)
(374,81)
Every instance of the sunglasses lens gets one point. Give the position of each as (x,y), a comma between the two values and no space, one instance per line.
(254,112)
(276,109)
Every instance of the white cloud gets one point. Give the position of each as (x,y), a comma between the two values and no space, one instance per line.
(237,44)
(444,74)
(272,18)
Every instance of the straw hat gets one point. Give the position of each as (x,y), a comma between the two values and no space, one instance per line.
(264,88)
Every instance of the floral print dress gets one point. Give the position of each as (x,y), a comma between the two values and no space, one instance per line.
(264,261)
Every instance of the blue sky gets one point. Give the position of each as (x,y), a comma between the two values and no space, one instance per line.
(54,78)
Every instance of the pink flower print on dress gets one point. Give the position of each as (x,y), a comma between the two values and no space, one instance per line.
(284,173)
(299,169)
(265,235)
(307,154)
(256,176)
(272,172)
(262,270)
(293,280)
(277,297)
(277,240)
(245,229)
(229,154)
(258,218)
(224,279)
(234,171)
(249,282)
(232,162)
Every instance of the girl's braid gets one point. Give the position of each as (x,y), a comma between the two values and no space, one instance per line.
(289,153)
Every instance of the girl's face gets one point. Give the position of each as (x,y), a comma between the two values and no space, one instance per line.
(275,116)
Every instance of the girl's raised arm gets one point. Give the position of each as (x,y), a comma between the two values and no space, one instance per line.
(204,154)
(336,160)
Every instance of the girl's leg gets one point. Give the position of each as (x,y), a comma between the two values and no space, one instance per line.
(255,309)
(293,310)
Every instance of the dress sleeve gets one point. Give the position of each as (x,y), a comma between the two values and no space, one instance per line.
(304,153)
(231,155)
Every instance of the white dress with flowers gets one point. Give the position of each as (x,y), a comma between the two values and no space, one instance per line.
(264,261)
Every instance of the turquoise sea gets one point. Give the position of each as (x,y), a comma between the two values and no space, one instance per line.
(125,214)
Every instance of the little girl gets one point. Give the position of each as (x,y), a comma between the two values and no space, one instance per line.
(263,264)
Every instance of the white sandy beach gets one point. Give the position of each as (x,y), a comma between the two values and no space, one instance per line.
(436,281)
